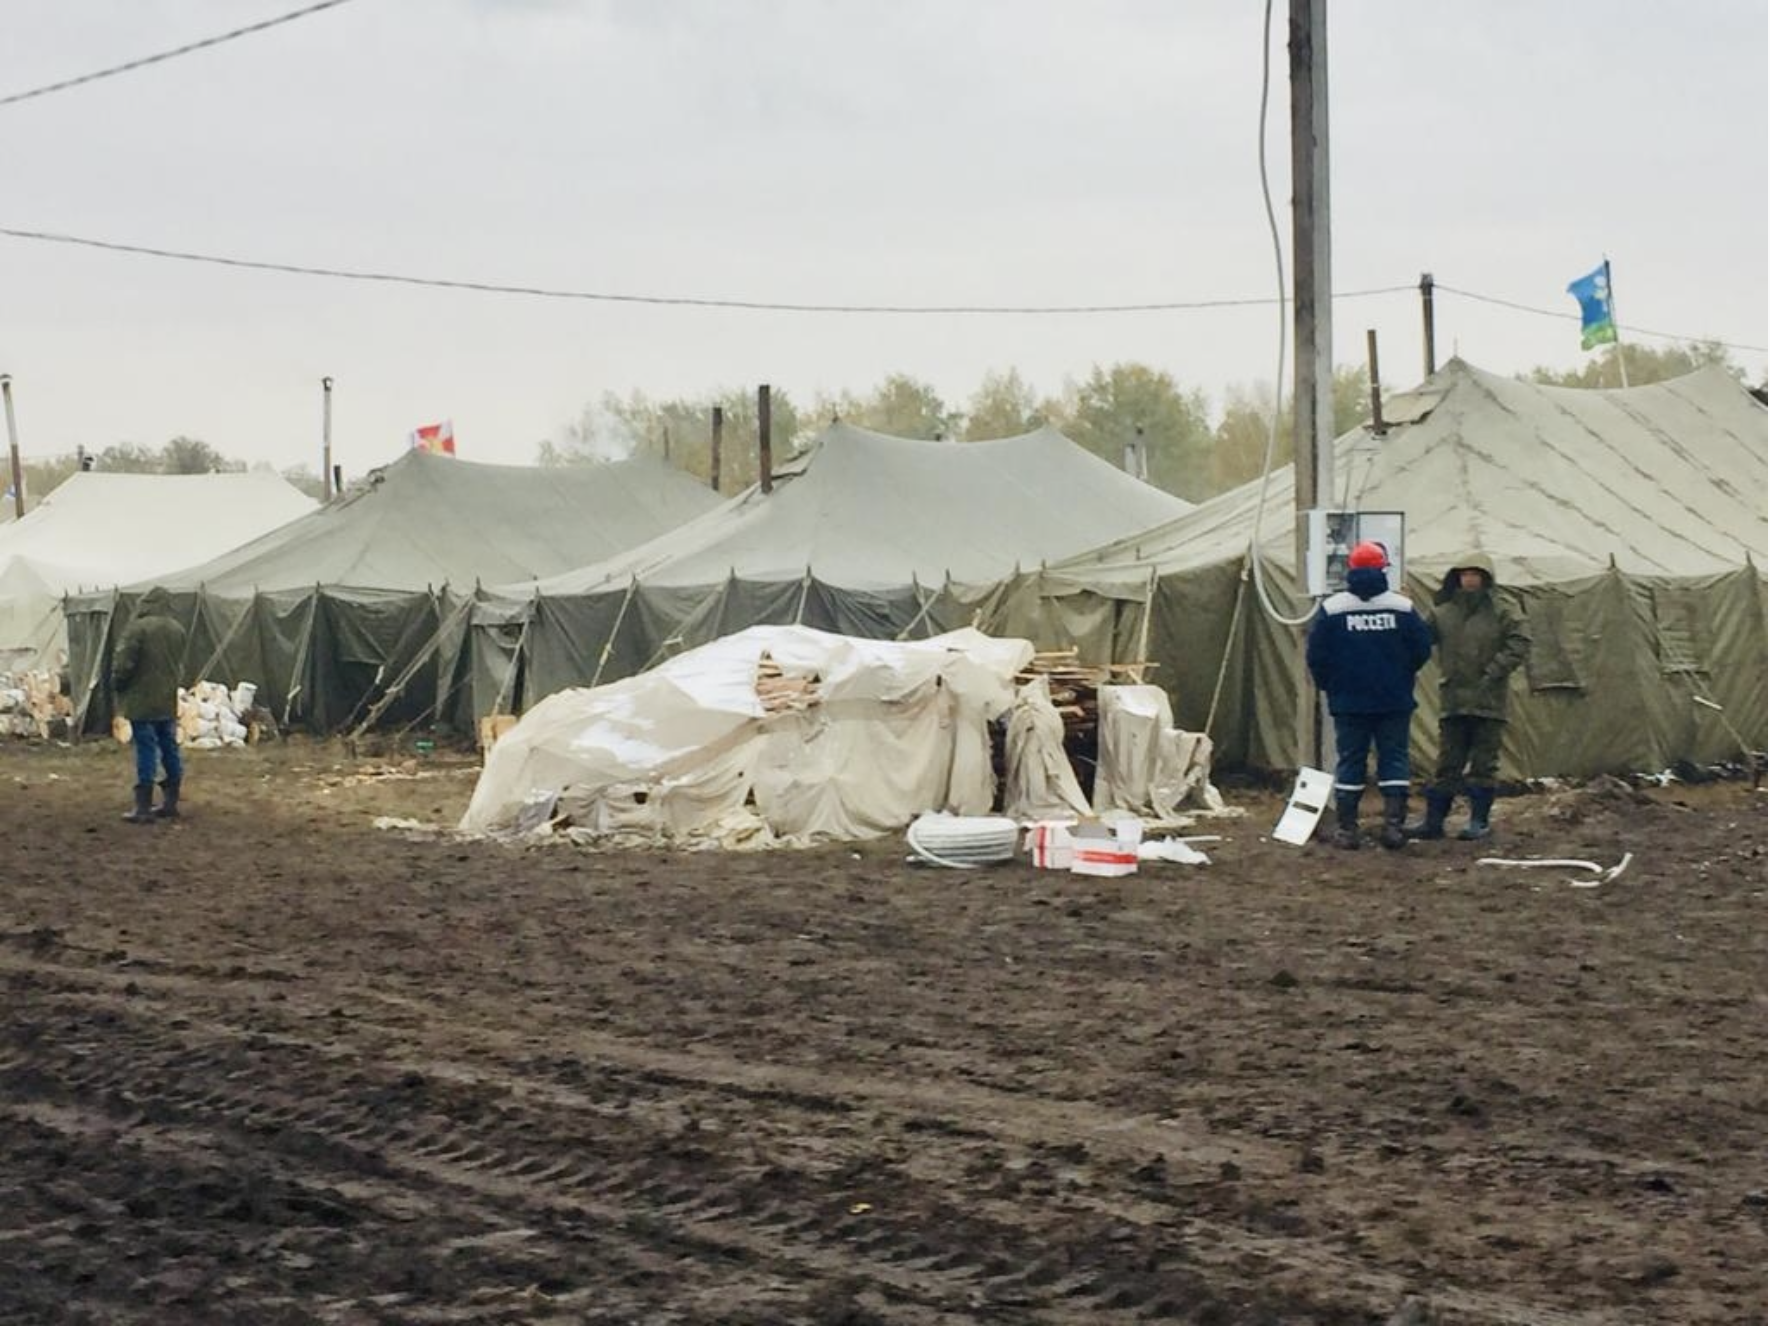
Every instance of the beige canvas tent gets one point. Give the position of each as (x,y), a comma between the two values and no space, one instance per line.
(1630,524)
(96,530)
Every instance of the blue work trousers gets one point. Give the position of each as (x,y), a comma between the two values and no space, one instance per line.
(1355,734)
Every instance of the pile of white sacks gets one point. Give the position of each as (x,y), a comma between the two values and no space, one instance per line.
(210,715)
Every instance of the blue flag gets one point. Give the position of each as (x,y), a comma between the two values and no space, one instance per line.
(1597,325)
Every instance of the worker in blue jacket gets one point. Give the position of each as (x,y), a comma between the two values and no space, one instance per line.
(1365,646)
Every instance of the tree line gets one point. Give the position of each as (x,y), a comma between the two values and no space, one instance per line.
(1187,449)
(1107,412)
(1124,409)
(180,455)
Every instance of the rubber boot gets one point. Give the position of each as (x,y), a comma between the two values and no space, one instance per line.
(168,807)
(1394,832)
(1432,824)
(1480,806)
(144,805)
(1346,817)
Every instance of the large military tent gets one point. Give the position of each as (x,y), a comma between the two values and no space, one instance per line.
(1629,523)
(862,534)
(100,529)
(329,613)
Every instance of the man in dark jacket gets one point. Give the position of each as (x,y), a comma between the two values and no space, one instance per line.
(1365,646)
(144,672)
(1481,640)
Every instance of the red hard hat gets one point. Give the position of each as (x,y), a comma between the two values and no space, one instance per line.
(1368,554)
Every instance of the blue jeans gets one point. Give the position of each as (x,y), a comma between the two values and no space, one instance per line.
(1354,735)
(156,742)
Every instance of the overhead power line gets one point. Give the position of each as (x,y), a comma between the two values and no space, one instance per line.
(1557,313)
(770,306)
(544,292)
(172,54)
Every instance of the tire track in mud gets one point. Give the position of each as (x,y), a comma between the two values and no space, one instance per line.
(204,1099)
(677,1207)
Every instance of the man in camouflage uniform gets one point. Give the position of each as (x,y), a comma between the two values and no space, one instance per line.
(1481,640)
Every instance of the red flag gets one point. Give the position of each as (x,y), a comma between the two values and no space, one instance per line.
(436,438)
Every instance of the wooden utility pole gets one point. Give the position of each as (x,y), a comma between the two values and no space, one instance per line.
(717,444)
(18,469)
(1427,330)
(326,439)
(1312,291)
(764,439)
(1370,349)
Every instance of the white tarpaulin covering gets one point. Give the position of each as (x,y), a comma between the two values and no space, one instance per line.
(1038,782)
(1147,765)
(96,531)
(845,739)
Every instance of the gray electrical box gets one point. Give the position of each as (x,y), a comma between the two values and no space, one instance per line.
(1330,537)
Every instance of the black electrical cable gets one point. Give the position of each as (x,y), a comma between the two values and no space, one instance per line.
(176,51)
(545,292)
(772,306)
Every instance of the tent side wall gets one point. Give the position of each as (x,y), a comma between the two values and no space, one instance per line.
(363,642)
(321,659)
(615,633)
(1617,668)
(88,618)
(1740,676)
(1226,669)
(1707,643)
(1614,664)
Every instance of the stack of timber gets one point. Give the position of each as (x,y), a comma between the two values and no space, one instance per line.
(781,694)
(1075,686)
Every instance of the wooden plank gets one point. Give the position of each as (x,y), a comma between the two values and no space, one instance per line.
(493,726)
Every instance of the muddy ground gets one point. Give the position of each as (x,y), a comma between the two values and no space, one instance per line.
(274,1065)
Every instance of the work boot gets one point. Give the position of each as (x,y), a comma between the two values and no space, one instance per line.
(1480,806)
(1432,825)
(168,807)
(1394,832)
(1346,817)
(144,805)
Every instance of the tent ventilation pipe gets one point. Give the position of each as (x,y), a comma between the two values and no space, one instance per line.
(715,445)
(764,441)
(1370,343)
(17,469)
(326,485)
(1428,332)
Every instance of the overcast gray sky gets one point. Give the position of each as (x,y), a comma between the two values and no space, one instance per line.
(950,152)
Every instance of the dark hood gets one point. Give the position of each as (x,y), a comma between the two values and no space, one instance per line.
(156,602)
(1469,561)
(1367,581)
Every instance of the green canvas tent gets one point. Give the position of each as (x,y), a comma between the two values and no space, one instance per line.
(862,534)
(360,606)
(1630,524)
